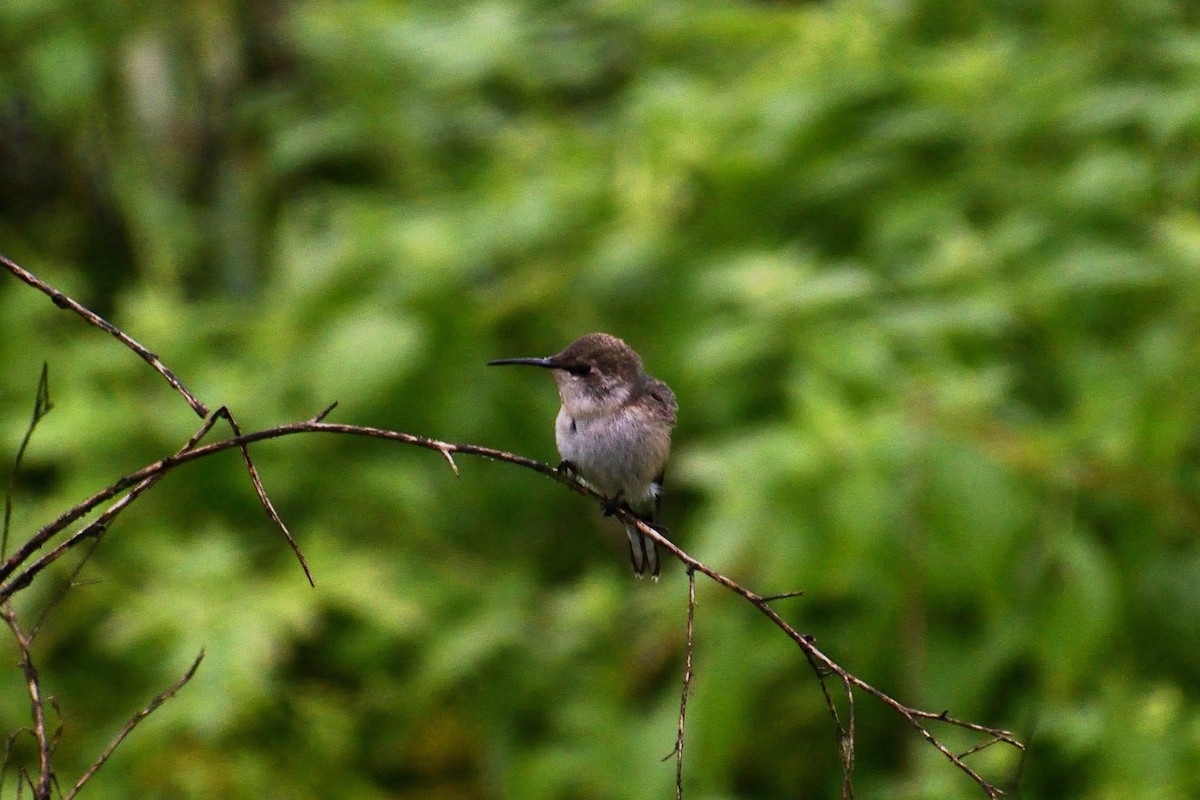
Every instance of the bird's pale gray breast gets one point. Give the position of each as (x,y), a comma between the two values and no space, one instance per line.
(617,454)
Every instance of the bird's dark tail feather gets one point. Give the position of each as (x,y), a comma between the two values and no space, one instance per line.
(643,553)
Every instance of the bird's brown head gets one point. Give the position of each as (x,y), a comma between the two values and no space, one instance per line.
(593,371)
(598,355)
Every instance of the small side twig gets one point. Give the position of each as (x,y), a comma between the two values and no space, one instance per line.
(41,789)
(450,460)
(41,407)
(325,412)
(64,588)
(8,746)
(224,411)
(150,707)
(688,676)
(845,732)
(981,746)
(770,598)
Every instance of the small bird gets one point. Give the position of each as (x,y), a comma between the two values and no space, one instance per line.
(613,430)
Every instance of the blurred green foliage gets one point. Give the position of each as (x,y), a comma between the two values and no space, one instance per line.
(925,276)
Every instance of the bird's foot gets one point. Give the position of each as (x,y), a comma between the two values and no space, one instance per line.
(611,505)
(567,468)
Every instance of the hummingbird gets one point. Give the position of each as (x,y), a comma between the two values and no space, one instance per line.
(613,430)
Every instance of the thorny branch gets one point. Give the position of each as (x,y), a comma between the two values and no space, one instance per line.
(17,571)
(822,664)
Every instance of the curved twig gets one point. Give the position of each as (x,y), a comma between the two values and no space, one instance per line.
(224,411)
(62,301)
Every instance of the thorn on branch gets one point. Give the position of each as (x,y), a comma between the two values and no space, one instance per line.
(328,410)
(977,748)
(94,530)
(450,460)
(772,597)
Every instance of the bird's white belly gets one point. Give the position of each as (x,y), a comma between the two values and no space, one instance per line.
(609,454)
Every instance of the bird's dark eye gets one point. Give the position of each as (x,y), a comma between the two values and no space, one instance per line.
(579,370)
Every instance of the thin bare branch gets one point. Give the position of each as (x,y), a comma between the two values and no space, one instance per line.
(41,407)
(944,716)
(62,301)
(981,746)
(158,468)
(224,411)
(41,789)
(846,744)
(688,675)
(844,733)
(149,709)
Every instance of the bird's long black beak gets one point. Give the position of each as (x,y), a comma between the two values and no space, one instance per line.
(533,362)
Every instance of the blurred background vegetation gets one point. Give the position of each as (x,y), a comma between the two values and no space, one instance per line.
(924,274)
